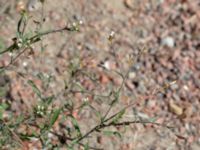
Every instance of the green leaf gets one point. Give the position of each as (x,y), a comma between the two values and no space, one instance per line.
(19,120)
(19,25)
(71,145)
(119,116)
(86,146)
(54,117)
(111,133)
(3,107)
(48,100)
(79,86)
(28,136)
(116,97)
(117,134)
(76,126)
(22,23)
(35,88)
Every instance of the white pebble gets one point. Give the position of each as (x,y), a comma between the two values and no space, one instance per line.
(168,41)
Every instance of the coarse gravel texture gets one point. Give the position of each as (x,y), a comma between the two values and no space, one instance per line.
(167,31)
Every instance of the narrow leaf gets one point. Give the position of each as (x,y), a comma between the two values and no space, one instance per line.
(3,107)
(116,98)
(35,88)
(48,100)
(118,116)
(110,133)
(76,126)
(86,146)
(54,117)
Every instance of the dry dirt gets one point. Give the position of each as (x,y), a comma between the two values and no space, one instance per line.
(168,31)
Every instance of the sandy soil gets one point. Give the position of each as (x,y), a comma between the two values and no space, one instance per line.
(167,30)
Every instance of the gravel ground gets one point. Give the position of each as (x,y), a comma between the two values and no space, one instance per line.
(166,30)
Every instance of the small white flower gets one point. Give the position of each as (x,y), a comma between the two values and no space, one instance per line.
(19,44)
(28,41)
(42,107)
(46,75)
(20,40)
(10,54)
(112,34)
(86,99)
(80,22)
(41,113)
(107,65)
(38,107)
(25,64)
(74,24)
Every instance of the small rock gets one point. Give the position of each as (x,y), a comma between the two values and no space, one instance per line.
(142,87)
(174,86)
(175,108)
(186,88)
(132,75)
(104,79)
(168,41)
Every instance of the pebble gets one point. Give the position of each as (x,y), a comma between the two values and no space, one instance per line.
(168,41)
(132,75)
(176,96)
(174,86)
(142,87)
(137,66)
